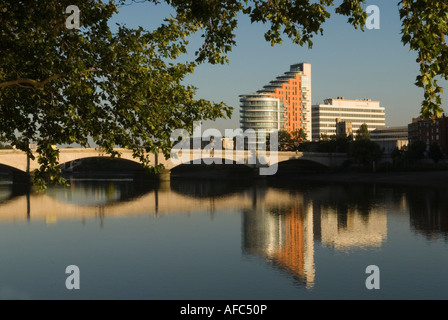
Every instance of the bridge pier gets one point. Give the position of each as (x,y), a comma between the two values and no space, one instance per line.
(164,175)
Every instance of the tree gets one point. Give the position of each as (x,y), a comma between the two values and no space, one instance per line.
(416,151)
(285,141)
(298,136)
(397,155)
(5,146)
(117,89)
(124,88)
(435,152)
(362,133)
(365,151)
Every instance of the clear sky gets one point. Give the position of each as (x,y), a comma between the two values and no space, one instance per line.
(344,62)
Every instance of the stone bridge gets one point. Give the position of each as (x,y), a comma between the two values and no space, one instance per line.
(267,162)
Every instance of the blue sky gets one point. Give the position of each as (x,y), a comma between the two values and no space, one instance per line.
(345,62)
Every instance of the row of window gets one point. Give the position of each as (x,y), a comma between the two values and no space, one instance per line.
(261,109)
(347,109)
(354,121)
(258,119)
(345,115)
(260,125)
(259,113)
(432,130)
(259,103)
(375,137)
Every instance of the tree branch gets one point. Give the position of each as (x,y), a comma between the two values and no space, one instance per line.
(31,83)
(22,82)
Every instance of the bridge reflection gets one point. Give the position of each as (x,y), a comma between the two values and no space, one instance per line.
(280,224)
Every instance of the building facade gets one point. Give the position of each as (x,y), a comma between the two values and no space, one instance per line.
(293,88)
(429,131)
(355,111)
(389,138)
(260,111)
(344,128)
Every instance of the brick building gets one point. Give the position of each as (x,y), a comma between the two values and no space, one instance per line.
(429,131)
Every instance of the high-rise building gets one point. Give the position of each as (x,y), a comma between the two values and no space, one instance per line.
(357,112)
(293,88)
(261,111)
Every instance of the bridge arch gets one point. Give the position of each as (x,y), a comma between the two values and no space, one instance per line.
(5,168)
(101,163)
(322,158)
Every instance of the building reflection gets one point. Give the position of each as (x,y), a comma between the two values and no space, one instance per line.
(347,228)
(282,234)
(285,234)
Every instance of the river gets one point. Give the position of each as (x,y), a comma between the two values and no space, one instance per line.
(224,239)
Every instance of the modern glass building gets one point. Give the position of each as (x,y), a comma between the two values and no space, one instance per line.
(260,111)
(357,112)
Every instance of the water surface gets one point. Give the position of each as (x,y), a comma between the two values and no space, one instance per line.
(220,239)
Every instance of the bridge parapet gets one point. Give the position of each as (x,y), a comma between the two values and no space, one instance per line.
(18,159)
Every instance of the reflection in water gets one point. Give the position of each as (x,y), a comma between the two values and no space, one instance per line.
(5,192)
(282,233)
(285,232)
(428,212)
(209,188)
(350,218)
(99,193)
(282,225)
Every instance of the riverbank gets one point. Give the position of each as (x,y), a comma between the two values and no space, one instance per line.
(437,179)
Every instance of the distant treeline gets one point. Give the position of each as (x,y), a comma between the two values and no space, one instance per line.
(5,146)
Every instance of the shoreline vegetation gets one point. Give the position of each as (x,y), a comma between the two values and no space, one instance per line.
(423,176)
(436,178)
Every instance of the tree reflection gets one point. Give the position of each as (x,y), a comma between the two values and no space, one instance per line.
(428,212)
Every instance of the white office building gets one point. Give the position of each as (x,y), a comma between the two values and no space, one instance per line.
(357,112)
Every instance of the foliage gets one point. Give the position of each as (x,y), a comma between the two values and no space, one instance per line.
(416,151)
(435,152)
(324,137)
(398,156)
(339,144)
(424,29)
(5,146)
(365,151)
(362,133)
(298,136)
(61,86)
(290,141)
(284,140)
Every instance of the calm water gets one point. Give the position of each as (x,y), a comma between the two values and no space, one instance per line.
(223,240)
